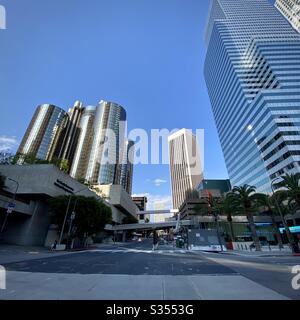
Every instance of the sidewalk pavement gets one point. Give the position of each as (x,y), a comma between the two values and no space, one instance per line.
(60,286)
(273,253)
(14,253)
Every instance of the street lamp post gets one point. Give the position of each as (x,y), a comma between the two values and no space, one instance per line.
(14,200)
(287,230)
(66,214)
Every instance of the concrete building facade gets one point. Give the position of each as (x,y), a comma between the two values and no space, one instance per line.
(185,165)
(30,221)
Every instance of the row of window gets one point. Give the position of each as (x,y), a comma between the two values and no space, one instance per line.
(283,157)
(279,147)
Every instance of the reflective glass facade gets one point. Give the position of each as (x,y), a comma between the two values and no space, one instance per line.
(84,143)
(252,71)
(126,167)
(41,137)
(107,143)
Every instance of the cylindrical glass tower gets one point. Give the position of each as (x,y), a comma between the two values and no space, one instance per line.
(108,140)
(41,137)
(83,149)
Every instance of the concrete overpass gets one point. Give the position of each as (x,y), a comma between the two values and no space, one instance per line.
(147,226)
(173,224)
(151,212)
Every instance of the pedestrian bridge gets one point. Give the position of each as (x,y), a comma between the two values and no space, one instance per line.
(147,226)
(173,224)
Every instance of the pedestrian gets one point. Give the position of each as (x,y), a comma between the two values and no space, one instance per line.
(54,245)
(155,241)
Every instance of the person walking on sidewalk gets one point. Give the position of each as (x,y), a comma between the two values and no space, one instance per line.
(155,240)
(54,245)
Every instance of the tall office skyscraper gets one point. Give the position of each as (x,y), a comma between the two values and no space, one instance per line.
(107,144)
(185,165)
(291,10)
(252,71)
(84,143)
(126,167)
(92,139)
(70,133)
(41,138)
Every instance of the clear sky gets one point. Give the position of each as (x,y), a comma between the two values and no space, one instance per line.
(146,55)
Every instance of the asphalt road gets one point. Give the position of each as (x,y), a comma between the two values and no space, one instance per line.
(131,259)
(204,275)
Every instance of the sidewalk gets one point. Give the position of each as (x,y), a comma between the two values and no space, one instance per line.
(273,253)
(13,253)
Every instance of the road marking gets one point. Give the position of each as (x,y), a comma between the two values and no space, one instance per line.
(139,251)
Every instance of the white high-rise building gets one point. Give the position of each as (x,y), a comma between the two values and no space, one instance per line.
(291,10)
(185,165)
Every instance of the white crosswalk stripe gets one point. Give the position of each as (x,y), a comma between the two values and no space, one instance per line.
(138,251)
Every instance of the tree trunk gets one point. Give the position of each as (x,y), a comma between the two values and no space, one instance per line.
(253,231)
(290,237)
(229,219)
(277,232)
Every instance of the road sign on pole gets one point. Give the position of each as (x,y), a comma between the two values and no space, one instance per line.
(11,206)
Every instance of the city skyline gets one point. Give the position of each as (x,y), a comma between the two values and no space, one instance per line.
(150,151)
(110,74)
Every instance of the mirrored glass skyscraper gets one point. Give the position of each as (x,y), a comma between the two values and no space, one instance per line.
(126,166)
(41,138)
(106,147)
(252,71)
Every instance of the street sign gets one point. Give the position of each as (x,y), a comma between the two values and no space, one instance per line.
(73,215)
(11,205)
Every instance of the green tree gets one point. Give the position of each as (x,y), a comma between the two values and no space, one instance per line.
(245,200)
(210,206)
(291,183)
(227,208)
(287,206)
(64,165)
(91,214)
(269,203)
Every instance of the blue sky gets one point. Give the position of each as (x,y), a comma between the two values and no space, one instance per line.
(147,55)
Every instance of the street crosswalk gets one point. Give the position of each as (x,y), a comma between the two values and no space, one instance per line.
(126,251)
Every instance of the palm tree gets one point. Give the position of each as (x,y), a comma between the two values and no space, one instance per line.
(291,182)
(268,202)
(226,207)
(210,207)
(287,206)
(245,201)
